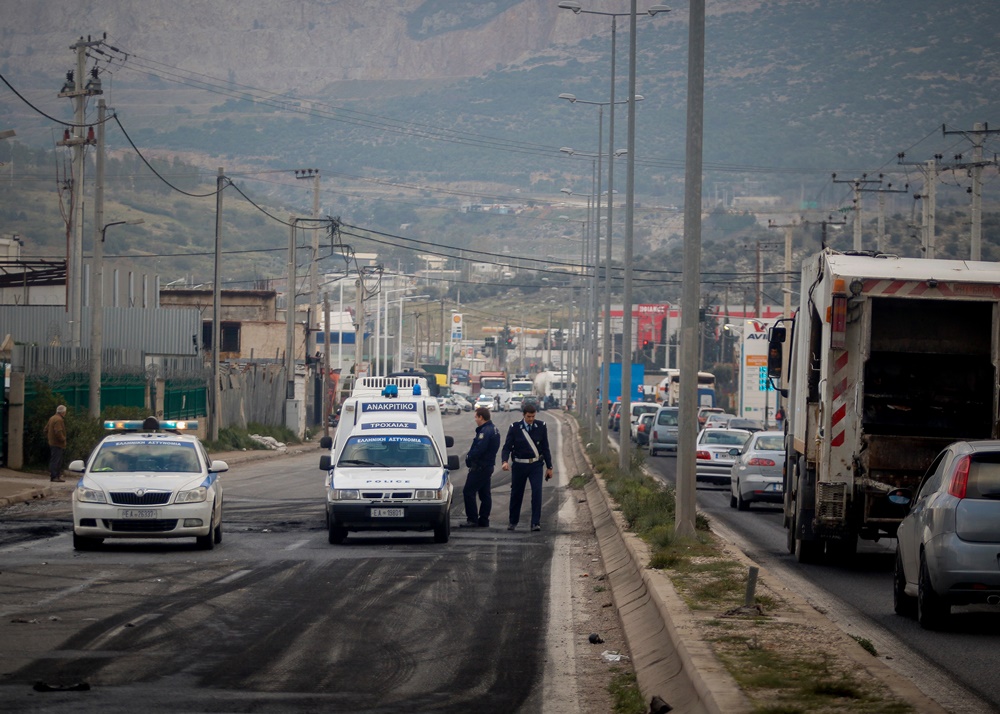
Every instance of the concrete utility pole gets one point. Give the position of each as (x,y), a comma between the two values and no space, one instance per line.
(858,186)
(789,228)
(290,316)
(928,228)
(75,89)
(313,175)
(326,364)
(97,274)
(220,182)
(977,136)
(684,518)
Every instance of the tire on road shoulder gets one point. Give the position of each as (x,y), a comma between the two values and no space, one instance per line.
(902,604)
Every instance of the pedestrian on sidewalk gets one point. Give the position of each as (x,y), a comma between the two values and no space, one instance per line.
(55,432)
(525,451)
(481,460)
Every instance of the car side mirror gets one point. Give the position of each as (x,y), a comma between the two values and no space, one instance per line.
(325,442)
(218,467)
(449,441)
(900,497)
(452,462)
(324,462)
(77,466)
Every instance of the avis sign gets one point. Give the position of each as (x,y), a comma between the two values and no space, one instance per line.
(756,392)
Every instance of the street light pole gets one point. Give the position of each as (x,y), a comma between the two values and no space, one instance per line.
(97,315)
(577,9)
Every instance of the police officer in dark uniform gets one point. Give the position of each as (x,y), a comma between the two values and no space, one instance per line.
(525,451)
(481,459)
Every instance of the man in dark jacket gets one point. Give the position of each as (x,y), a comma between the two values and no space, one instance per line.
(524,452)
(481,459)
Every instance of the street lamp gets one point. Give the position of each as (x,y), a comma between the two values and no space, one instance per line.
(577,9)
(97,317)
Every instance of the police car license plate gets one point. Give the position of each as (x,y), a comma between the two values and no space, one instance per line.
(387,513)
(138,513)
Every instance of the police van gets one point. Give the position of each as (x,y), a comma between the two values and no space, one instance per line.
(388,468)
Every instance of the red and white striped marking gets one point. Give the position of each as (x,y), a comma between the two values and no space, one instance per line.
(837,426)
(920,288)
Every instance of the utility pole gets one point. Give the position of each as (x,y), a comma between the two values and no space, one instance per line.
(881,238)
(75,89)
(217,310)
(977,136)
(326,364)
(786,308)
(97,274)
(858,186)
(928,227)
(290,318)
(312,174)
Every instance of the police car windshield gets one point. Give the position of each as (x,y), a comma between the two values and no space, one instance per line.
(138,455)
(390,451)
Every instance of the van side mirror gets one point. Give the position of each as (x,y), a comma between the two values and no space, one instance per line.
(452,462)
(449,441)
(325,442)
(324,462)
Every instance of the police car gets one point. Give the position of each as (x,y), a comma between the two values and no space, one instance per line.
(148,480)
(388,468)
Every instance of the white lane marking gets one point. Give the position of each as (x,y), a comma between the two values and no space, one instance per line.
(560,638)
(233,576)
(297,544)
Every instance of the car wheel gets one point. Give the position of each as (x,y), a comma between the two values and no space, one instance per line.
(741,503)
(442,531)
(84,543)
(207,542)
(732,500)
(652,451)
(336,535)
(902,603)
(932,610)
(218,532)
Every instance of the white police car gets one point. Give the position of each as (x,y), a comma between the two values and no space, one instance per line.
(147,480)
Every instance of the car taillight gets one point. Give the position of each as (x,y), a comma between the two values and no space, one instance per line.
(642,428)
(960,478)
(703,455)
(760,462)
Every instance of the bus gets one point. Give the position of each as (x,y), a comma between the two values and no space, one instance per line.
(668,391)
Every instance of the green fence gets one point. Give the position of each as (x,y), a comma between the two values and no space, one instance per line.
(185,399)
(74,391)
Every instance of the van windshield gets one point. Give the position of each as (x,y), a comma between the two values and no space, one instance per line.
(389,450)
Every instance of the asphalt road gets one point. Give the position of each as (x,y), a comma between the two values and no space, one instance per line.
(956,667)
(275,618)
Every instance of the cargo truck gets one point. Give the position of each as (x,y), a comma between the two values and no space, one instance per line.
(886,361)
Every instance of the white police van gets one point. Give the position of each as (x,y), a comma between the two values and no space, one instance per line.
(388,468)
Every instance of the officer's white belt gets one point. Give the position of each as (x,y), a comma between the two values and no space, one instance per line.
(526,461)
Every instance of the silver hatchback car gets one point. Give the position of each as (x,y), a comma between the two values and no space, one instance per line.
(757,473)
(663,432)
(947,545)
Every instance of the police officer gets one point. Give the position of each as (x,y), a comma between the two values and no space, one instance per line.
(481,459)
(524,452)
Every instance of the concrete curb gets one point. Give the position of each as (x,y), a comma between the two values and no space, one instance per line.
(670,658)
(27,494)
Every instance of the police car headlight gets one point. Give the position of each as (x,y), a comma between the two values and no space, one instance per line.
(196,495)
(427,494)
(344,494)
(89,495)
